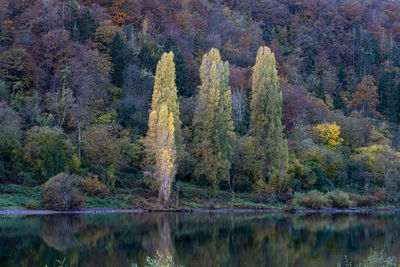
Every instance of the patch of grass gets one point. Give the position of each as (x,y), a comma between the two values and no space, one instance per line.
(245,204)
(190,196)
(106,203)
(19,197)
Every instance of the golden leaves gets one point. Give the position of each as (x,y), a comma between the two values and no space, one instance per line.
(329,134)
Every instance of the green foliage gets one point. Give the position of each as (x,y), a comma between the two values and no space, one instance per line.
(150,53)
(10,134)
(69,75)
(322,183)
(246,169)
(315,200)
(390,95)
(47,152)
(181,73)
(161,261)
(374,259)
(32,206)
(108,117)
(266,115)
(121,55)
(4,90)
(363,201)
(380,164)
(339,199)
(302,173)
(103,149)
(83,26)
(212,123)
(93,187)
(133,107)
(19,197)
(61,192)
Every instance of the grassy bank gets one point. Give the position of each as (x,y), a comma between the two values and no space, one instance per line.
(190,196)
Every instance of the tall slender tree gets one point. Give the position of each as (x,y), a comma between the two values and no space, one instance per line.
(164,133)
(266,114)
(212,123)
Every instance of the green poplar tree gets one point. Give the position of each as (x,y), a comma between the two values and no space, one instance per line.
(164,135)
(266,114)
(212,123)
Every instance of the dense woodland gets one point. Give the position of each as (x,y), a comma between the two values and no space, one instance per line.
(294,100)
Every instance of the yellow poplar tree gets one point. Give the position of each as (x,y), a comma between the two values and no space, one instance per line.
(164,135)
(266,114)
(212,123)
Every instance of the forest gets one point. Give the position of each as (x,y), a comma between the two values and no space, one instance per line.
(199,103)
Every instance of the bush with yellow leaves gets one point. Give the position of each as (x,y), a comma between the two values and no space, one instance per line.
(328,134)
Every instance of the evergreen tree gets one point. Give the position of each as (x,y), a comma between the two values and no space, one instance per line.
(389,96)
(266,113)
(212,123)
(164,135)
(181,73)
(121,55)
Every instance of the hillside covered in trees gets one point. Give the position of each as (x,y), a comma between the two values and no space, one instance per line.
(199,103)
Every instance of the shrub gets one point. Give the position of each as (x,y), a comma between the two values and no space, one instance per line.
(61,192)
(339,199)
(363,201)
(315,200)
(93,187)
(368,201)
(381,195)
(284,197)
(296,201)
(32,205)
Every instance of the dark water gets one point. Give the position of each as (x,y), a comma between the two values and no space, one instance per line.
(196,239)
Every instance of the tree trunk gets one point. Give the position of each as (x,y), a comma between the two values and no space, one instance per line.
(79,139)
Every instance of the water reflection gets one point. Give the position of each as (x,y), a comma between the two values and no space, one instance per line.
(196,239)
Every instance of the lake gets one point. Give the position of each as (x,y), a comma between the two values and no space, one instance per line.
(197,239)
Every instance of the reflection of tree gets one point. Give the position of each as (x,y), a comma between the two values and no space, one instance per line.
(162,241)
(196,239)
(58,231)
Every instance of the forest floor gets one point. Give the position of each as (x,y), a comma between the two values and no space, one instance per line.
(19,199)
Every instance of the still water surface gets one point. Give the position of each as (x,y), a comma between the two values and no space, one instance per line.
(196,239)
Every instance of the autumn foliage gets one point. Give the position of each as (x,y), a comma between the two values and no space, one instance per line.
(365,99)
(259,97)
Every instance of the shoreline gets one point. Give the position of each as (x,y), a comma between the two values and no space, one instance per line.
(21,212)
